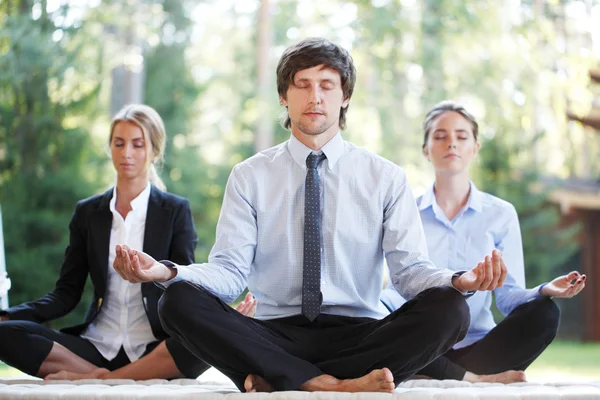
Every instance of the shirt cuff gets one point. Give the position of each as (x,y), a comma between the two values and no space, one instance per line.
(456,275)
(178,277)
(538,291)
(533,294)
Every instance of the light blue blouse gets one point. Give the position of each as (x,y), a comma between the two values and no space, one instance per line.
(485,223)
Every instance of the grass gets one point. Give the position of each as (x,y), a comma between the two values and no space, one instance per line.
(567,361)
(9,372)
(562,361)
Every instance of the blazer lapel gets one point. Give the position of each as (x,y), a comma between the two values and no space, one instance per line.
(154,238)
(99,230)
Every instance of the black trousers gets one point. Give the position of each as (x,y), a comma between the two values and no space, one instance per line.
(25,345)
(513,344)
(289,351)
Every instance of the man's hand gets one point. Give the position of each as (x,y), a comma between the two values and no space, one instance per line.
(136,266)
(487,275)
(565,286)
(248,306)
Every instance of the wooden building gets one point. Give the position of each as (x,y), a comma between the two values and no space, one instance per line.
(580,200)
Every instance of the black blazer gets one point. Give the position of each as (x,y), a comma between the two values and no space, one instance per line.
(169,235)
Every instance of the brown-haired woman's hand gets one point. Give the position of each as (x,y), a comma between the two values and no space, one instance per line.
(565,286)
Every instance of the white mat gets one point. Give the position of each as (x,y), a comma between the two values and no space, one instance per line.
(32,389)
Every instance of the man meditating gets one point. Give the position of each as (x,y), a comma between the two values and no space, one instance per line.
(305,225)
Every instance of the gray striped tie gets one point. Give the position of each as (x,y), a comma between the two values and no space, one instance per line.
(311,275)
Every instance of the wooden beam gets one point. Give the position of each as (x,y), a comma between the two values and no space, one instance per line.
(569,199)
(591,120)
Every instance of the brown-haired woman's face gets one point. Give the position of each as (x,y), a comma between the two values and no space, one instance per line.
(451,145)
(129,151)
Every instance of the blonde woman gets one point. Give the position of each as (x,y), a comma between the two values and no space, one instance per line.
(122,324)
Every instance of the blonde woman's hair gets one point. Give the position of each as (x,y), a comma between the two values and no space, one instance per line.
(153,128)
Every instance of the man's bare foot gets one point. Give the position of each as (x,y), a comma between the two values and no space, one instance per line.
(503,377)
(73,376)
(255,383)
(379,380)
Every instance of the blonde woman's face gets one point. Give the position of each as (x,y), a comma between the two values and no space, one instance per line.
(129,151)
(451,145)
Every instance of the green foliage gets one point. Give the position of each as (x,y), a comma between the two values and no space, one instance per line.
(172,91)
(546,246)
(48,162)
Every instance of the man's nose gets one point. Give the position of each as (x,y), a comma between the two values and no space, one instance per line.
(314,96)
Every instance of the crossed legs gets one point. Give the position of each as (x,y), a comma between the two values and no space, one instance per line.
(39,351)
(506,351)
(46,353)
(331,353)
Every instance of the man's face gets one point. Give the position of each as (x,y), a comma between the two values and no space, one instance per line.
(314,100)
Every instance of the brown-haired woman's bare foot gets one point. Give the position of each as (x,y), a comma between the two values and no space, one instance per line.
(503,377)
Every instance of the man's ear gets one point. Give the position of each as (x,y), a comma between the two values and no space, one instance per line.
(345,103)
(282,101)
(426,153)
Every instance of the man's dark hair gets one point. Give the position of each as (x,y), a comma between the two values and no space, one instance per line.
(309,53)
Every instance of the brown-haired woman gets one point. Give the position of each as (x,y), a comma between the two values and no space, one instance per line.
(462,225)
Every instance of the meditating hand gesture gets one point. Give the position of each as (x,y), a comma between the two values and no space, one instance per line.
(565,286)
(487,275)
(136,266)
(247,306)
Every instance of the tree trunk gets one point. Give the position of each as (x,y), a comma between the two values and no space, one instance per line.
(263,138)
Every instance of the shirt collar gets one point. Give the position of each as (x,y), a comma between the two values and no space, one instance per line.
(139,203)
(427,199)
(332,149)
(474,201)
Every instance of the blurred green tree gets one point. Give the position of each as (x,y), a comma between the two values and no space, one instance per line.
(47,161)
(172,90)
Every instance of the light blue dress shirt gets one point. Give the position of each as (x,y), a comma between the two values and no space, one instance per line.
(485,223)
(368,211)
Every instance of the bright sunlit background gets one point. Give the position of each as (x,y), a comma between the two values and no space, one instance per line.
(521,67)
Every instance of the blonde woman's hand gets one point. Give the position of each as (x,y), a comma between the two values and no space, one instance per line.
(248,306)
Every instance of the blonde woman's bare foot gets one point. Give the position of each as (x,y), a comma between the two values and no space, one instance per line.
(73,376)
(255,383)
(503,377)
(379,380)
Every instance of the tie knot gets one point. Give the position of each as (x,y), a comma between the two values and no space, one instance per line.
(313,160)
